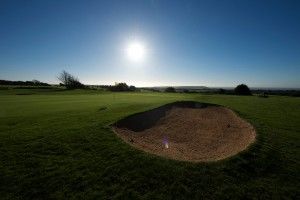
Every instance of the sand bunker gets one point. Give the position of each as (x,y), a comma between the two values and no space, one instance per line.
(187,131)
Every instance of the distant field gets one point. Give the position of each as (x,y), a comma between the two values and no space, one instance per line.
(58,144)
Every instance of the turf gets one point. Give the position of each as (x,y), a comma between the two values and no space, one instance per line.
(59,145)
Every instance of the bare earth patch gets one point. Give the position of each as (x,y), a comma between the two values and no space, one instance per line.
(189,132)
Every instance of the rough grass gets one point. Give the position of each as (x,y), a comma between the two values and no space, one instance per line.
(58,145)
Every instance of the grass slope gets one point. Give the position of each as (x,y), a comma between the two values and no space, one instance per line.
(56,144)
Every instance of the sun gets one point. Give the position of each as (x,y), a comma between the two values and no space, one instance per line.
(136,51)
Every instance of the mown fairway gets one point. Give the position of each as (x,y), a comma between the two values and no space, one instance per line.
(59,145)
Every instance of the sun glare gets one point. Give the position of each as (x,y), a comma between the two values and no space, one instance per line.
(136,51)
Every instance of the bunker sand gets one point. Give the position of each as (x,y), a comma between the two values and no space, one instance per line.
(194,132)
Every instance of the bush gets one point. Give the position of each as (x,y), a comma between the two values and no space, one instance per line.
(170,89)
(242,89)
(69,81)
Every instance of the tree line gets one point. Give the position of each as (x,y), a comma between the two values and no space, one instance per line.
(241,89)
(69,81)
(23,83)
(72,82)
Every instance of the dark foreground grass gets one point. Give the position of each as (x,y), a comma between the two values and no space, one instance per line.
(59,145)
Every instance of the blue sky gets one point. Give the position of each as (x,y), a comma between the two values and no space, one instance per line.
(211,43)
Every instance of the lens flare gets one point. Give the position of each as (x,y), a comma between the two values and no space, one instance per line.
(166,143)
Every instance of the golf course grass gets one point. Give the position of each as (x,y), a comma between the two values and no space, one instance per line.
(58,144)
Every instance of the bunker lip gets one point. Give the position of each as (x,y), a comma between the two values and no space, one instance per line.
(187,131)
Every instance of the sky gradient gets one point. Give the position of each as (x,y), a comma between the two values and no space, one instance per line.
(210,43)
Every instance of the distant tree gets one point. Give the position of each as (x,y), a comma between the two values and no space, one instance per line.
(36,82)
(170,89)
(221,91)
(64,77)
(120,87)
(69,80)
(132,88)
(242,89)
